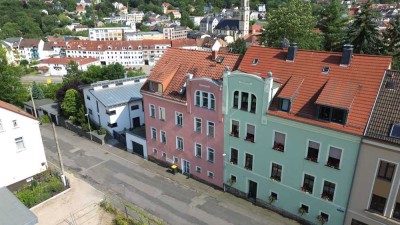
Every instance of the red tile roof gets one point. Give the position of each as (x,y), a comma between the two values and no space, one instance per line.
(65,61)
(15,109)
(173,66)
(364,73)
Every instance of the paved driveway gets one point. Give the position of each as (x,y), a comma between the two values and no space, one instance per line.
(173,198)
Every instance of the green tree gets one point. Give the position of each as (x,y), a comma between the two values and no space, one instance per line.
(69,5)
(50,90)
(72,102)
(333,25)
(73,72)
(363,32)
(10,29)
(238,47)
(294,22)
(392,41)
(24,63)
(64,20)
(37,92)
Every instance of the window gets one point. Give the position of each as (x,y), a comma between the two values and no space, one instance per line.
(197,125)
(395,131)
(334,157)
(276,172)
(328,191)
(308,183)
(313,150)
(386,170)
(198,150)
(197,98)
(153,133)
(152,111)
(110,113)
(210,129)
(112,125)
(232,180)
(90,111)
(198,169)
(304,208)
(155,151)
(245,101)
(179,143)
(163,137)
(234,156)
(274,196)
(179,119)
(279,141)
(377,204)
(164,155)
(20,143)
(210,174)
(236,99)
(134,107)
(97,106)
(15,124)
(212,101)
(235,128)
(323,217)
(357,222)
(255,61)
(205,100)
(396,211)
(284,105)
(162,113)
(248,164)
(210,155)
(251,130)
(88,97)
(331,114)
(176,160)
(253,104)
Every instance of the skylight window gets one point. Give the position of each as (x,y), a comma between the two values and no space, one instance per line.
(391,85)
(220,59)
(325,69)
(255,61)
(395,132)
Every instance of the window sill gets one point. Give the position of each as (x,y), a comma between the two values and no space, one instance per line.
(275,179)
(198,156)
(311,160)
(162,119)
(210,161)
(152,117)
(249,140)
(234,163)
(279,150)
(181,150)
(250,169)
(333,167)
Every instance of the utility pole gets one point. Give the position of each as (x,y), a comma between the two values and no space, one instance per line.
(59,156)
(33,102)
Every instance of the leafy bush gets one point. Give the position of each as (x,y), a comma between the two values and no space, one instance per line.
(102,131)
(85,127)
(122,220)
(45,119)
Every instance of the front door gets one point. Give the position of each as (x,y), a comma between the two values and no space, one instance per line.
(185,167)
(136,122)
(252,190)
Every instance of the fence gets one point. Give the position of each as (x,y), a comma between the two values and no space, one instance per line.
(78,130)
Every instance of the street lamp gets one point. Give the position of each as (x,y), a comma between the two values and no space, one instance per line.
(90,130)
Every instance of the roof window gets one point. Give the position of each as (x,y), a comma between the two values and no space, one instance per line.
(284,104)
(325,69)
(331,114)
(395,131)
(390,85)
(255,61)
(220,59)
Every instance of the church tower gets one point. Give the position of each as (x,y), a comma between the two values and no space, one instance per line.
(244,17)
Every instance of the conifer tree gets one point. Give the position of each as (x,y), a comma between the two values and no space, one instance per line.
(392,41)
(37,92)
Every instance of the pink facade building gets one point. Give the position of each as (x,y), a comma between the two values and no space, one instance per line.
(183,112)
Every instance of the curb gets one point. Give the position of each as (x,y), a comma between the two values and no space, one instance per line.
(42,203)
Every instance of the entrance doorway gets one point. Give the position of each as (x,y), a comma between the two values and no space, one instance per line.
(185,167)
(137,149)
(136,122)
(252,190)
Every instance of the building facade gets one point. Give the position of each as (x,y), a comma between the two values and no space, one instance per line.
(375,197)
(58,66)
(23,155)
(109,33)
(289,145)
(184,124)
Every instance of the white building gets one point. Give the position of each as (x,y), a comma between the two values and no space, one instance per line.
(31,49)
(207,24)
(196,20)
(57,66)
(148,35)
(22,153)
(126,18)
(117,104)
(109,33)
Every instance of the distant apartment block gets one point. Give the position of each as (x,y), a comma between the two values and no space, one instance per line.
(109,33)
(174,33)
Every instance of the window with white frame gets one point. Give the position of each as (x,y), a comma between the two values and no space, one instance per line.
(248,163)
(15,124)
(204,99)
(197,125)
(153,133)
(276,172)
(251,132)
(210,174)
(163,137)
(313,150)
(152,111)
(328,191)
(179,143)
(198,150)
(155,151)
(198,169)
(164,155)
(20,143)
(279,141)
(210,129)
(210,155)
(176,160)
(162,113)
(179,119)
(334,157)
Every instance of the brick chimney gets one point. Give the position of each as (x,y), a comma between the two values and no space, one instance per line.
(214,55)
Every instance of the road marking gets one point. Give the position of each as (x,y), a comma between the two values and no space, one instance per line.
(74,150)
(94,166)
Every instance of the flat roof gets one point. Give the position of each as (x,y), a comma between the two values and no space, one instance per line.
(13,212)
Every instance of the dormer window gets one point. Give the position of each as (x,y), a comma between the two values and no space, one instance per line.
(130,47)
(332,114)
(395,131)
(155,87)
(284,105)
(109,47)
(255,61)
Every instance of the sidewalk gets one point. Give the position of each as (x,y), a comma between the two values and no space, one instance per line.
(79,205)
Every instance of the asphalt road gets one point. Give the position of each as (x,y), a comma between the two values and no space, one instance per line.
(146,185)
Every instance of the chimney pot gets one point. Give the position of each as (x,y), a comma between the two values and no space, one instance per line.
(292,51)
(346,55)
(214,55)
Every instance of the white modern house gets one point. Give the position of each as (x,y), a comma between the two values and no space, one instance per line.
(31,49)
(115,105)
(110,33)
(22,153)
(57,66)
